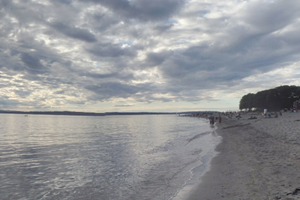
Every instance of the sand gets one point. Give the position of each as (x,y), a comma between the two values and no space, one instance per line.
(258,159)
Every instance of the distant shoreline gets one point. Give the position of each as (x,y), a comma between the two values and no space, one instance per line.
(82,113)
(74,113)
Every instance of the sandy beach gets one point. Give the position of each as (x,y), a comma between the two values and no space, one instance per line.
(258,159)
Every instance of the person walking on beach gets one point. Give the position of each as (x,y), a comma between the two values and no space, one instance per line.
(220,119)
(265,112)
(211,120)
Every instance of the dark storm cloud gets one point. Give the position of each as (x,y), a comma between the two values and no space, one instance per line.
(142,9)
(74,32)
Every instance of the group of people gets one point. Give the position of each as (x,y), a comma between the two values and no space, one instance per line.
(266,114)
(213,119)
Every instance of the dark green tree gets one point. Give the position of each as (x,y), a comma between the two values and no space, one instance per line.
(247,101)
(272,99)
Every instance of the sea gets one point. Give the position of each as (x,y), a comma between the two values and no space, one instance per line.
(116,157)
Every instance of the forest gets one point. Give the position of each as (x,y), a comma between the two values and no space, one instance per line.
(272,99)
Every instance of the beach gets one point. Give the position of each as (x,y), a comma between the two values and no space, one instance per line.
(258,159)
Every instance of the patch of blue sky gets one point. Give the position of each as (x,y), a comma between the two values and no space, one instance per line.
(171,21)
(125,42)
(99,64)
(203,13)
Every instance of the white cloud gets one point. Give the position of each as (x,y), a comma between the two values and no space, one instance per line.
(75,54)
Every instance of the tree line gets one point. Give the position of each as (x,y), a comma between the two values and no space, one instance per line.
(273,99)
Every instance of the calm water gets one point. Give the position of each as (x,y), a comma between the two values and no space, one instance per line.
(110,157)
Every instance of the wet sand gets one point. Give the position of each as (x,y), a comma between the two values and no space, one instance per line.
(258,159)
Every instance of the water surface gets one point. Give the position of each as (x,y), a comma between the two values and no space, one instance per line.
(110,157)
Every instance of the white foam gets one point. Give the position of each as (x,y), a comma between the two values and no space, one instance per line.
(202,166)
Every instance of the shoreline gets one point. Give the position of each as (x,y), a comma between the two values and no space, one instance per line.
(199,170)
(258,159)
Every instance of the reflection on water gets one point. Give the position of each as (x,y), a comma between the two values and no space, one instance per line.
(77,157)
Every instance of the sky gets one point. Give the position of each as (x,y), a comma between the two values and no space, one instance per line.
(142,55)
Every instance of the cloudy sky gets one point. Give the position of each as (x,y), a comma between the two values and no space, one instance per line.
(144,55)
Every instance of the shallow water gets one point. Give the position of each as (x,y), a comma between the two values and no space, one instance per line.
(110,157)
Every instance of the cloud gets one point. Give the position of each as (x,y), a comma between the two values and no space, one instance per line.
(22,94)
(110,50)
(269,16)
(124,105)
(142,9)
(74,32)
(129,52)
(155,59)
(109,90)
(32,63)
